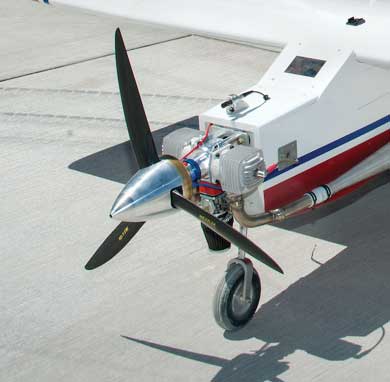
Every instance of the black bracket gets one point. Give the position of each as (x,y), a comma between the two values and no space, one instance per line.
(355,21)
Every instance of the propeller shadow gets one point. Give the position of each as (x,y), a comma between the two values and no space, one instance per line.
(324,313)
(118,163)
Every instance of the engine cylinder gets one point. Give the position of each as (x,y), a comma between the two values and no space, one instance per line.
(242,169)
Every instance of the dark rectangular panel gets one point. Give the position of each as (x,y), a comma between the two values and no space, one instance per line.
(305,66)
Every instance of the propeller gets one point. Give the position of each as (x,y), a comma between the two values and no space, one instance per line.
(224,230)
(136,121)
(146,154)
(114,243)
(143,146)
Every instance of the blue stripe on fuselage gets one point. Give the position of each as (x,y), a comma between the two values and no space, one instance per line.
(330,146)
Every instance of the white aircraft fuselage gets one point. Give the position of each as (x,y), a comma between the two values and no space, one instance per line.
(336,118)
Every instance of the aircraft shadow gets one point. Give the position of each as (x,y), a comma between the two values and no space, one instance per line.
(345,297)
(118,163)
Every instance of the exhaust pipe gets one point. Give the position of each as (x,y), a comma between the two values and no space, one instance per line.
(369,167)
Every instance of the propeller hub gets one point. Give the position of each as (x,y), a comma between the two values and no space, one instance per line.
(148,193)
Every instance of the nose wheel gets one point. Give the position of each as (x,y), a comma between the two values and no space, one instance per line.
(237,295)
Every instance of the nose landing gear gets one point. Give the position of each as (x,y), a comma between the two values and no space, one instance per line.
(235,303)
(238,293)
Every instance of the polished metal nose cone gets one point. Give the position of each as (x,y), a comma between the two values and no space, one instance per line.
(147,194)
(122,203)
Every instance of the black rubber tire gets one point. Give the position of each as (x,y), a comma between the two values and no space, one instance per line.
(227,289)
(214,241)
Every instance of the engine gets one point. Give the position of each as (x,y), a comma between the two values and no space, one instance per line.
(222,164)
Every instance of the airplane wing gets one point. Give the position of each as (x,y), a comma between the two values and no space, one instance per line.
(271,24)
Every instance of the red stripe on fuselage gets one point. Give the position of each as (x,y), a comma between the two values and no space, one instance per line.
(293,188)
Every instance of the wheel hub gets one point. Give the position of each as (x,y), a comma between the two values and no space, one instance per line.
(241,305)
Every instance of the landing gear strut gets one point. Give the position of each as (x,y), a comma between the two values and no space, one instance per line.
(238,293)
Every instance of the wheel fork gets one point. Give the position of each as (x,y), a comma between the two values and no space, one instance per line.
(247,265)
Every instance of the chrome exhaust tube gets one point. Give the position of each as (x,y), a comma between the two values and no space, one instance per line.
(369,167)
(280,214)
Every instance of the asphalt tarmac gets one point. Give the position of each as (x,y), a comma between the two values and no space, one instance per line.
(146,315)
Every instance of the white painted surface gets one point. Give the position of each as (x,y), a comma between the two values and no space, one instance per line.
(342,98)
(272,23)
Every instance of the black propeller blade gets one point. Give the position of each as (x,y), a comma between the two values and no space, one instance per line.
(114,243)
(224,230)
(143,146)
(137,123)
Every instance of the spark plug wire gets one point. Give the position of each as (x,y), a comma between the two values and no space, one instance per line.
(200,143)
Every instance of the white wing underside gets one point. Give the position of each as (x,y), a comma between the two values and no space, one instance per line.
(272,23)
